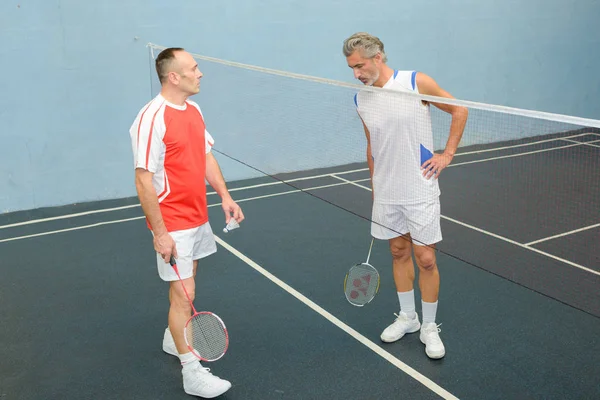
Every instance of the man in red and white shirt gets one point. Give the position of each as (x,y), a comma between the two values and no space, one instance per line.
(172,158)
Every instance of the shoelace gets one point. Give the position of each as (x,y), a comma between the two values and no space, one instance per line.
(403,318)
(433,333)
(207,371)
(202,369)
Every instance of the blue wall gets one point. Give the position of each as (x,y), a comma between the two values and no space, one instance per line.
(75,73)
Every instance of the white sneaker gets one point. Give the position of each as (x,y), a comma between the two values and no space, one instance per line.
(169,344)
(434,348)
(198,381)
(402,325)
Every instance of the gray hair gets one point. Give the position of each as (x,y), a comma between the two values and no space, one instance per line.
(368,45)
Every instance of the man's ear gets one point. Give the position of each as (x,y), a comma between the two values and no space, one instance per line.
(173,77)
(378,59)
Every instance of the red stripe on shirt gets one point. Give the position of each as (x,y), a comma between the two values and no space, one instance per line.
(137,143)
(150,135)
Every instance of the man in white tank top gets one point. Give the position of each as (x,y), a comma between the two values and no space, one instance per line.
(404,172)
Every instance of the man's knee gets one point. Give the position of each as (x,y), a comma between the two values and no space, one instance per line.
(400,249)
(179,299)
(426,260)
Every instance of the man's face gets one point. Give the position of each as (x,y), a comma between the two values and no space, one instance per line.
(365,70)
(188,73)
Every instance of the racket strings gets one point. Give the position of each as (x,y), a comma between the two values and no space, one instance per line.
(207,335)
(362,284)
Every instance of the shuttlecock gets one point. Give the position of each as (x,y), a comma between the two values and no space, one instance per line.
(233,224)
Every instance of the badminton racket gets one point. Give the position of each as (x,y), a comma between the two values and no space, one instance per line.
(205,333)
(361,283)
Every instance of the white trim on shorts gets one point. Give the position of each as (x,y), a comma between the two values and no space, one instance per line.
(421,220)
(192,244)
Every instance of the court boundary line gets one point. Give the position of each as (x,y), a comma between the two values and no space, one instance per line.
(525,246)
(330,174)
(571,263)
(96,224)
(590,143)
(408,370)
(344,182)
(523,144)
(517,155)
(73,228)
(66,216)
(585,228)
(334,175)
(574,144)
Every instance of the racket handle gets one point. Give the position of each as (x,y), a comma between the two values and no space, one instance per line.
(370,248)
(172,261)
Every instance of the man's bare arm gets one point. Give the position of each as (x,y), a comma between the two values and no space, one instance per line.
(163,243)
(216,180)
(459,115)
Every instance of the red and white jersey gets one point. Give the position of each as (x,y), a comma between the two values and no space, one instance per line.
(171,141)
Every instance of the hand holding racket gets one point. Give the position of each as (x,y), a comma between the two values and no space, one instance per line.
(205,333)
(362,282)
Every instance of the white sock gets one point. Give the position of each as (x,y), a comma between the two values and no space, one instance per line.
(429,311)
(407,303)
(188,360)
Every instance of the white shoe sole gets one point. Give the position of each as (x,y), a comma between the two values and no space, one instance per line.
(212,395)
(394,339)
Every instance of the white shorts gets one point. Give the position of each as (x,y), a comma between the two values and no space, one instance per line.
(192,244)
(421,220)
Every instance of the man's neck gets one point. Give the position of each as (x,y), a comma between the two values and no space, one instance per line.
(173,97)
(384,75)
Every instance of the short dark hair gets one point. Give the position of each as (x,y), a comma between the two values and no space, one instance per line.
(164,60)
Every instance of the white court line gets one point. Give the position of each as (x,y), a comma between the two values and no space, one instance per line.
(335,174)
(352,182)
(292,180)
(523,246)
(75,228)
(516,155)
(37,221)
(141,217)
(523,144)
(356,335)
(331,318)
(562,234)
(80,214)
(590,143)
(345,181)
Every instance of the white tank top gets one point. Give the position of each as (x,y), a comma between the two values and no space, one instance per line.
(401,140)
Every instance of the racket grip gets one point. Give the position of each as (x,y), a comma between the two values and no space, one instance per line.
(172,261)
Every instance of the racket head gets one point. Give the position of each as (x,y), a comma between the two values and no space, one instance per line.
(361,284)
(206,336)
